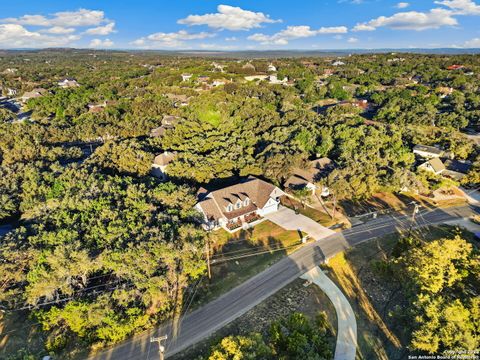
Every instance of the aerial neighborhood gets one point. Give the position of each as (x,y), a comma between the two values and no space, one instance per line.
(223,188)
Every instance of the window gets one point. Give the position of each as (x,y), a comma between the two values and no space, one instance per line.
(230,208)
(238,205)
(246,202)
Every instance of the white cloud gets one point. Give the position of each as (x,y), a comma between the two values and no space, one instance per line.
(461,7)
(58,30)
(230,18)
(474,43)
(98,43)
(35,20)
(16,36)
(81,17)
(233,38)
(102,30)
(352,40)
(171,40)
(295,32)
(411,20)
(402,5)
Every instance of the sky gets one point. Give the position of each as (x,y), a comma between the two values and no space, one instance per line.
(240,25)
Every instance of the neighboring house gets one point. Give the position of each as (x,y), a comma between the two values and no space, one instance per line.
(68,83)
(455,67)
(434,165)
(186,77)
(168,122)
(217,83)
(427,152)
(97,108)
(274,80)
(256,77)
(35,93)
(328,72)
(178,99)
(361,104)
(11,92)
(218,67)
(456,169)
(10,71)
(160,164)
(203,79)
(249,66)
(234,205)
(272,68)
(444,91)
(338,63)
(308,178)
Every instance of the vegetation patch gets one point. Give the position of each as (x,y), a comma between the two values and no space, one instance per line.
(403,289)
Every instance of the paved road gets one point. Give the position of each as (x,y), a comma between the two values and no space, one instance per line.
(287,219)
(346,346)
(204,321)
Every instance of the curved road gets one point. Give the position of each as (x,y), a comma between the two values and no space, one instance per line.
(204,321)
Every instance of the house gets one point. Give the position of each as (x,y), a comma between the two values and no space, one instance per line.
(427,152)
(186,77)
(217,83)
(455,67)
(361,104)
(444,91)
(160,164)
(35,93)
(338,63)
(271,68)
(456,169)
(218,67)
(179,99)
(68,83)
(256,77)
(328,72)
(11,92)
(98,108)
(274,80)
(249,67)
(10,71)
(308,177)
(434,165)
(203,79)
(168,122)
(245,202)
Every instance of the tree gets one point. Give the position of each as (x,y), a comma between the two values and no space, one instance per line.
(439,264)
(251,347)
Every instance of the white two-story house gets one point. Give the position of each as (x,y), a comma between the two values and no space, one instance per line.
(250,199)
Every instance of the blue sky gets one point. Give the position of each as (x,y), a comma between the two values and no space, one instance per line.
(240,25)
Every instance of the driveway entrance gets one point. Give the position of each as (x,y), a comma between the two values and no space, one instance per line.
(287,219)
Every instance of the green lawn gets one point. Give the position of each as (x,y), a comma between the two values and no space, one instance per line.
(237,257)
(314,214)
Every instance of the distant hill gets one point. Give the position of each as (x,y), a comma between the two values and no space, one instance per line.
(263,53)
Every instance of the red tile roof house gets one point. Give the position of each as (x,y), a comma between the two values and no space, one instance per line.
(237,206)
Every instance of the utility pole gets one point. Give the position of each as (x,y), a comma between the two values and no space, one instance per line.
(161,348)
(416,209)
(207,250)
(334,206)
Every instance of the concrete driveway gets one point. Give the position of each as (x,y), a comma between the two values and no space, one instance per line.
(287,219)
(472,196)
(347,324)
